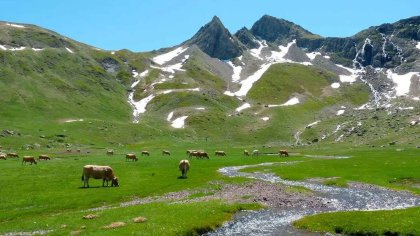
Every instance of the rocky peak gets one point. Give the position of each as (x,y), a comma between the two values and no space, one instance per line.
(216,41)
(273,29)
(245,36)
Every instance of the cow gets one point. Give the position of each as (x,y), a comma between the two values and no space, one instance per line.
(131,156)
(2,157)
(145,153)
(219,153)
(99,172)
(246,153)
(44,157)
(190,151)
(166,152)
(110,152)
(30,159)
(68,150)
(283,153)
(13,154)
(184,166)
(255,153)
(199,154)
(78,150)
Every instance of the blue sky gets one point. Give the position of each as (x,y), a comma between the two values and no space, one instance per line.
(144,25)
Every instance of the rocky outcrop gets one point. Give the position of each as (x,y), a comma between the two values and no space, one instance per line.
(246,38)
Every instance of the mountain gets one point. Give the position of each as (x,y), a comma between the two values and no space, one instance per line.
(275,84)
(215,40)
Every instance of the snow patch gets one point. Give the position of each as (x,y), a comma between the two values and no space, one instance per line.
(265,118)
(327,57)
(17,49)
(340,112)
(162,59)
(402,82)
(200,108)
(291,102)
(312,124)
(37,49)
(112,53)
(256,52)
(140,106)
(134,73)
(3,48)
(236,71)
(312,55)
(416,98)
(418,45)
(144,73)
(170,115)
(244,106)
(335,85)
(179,122)
(15,25)
(69,50)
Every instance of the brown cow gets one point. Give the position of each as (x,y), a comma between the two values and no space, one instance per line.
(246,153)
(2,156)
(131,156)
(30,159)
(145,153)
(220,153)
(283,152)
(44,157)
(110,152)
(184,166)
(68,150)
(199,154)
(99,172)
(166,152)
(13,154)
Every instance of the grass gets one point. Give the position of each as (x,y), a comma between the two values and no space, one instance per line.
(396,222)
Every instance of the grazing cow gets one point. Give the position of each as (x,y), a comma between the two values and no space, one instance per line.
(166,152)
(68,150)
(110,152)
(145,153)
(190,151)
(255,153)
(13,154)
(30,159)
(2,156)
(44,157)
(78,150)
(283,153)
(99,172)
(220,153)
(131,156)
(199,154)
(246,153)
(184,166)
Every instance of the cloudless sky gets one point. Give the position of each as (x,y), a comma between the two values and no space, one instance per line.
(144,25)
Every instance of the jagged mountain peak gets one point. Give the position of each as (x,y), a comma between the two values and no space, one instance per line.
(215,40)
(273,29)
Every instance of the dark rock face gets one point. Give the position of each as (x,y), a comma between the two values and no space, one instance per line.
(216,41)
(273,29)
(110,65)
(246,38)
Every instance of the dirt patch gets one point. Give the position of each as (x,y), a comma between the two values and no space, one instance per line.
(268,194)
(114,225)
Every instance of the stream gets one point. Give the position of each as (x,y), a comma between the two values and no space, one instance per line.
(279,221)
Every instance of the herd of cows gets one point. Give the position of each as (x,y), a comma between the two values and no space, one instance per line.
(106,173)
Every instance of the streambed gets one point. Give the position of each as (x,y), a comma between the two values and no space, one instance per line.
(278,221)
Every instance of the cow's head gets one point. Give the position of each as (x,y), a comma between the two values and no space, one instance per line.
(114,182)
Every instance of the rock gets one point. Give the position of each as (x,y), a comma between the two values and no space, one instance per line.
(139,219)
(114,225)
(90,216)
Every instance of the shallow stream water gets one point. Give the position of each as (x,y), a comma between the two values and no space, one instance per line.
(279,221)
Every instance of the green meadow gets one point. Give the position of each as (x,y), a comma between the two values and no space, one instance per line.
(48,196)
